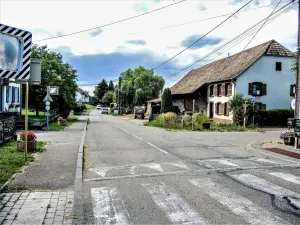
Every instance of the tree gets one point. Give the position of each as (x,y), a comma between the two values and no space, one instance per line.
(236,107)
(101,89)
(140,85)
(111,86)
(108,98)
(167,103)
(55,72)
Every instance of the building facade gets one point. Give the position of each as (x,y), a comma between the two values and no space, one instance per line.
(10,96)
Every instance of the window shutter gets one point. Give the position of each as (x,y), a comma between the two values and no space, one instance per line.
(215,90)
(223,90)
(263,107)
(216,108)
(250,89)
(227,109)
(264,89)
(222,109)
(230,89)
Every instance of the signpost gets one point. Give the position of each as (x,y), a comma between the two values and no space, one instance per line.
(297,132)
(48,99)
(253,100)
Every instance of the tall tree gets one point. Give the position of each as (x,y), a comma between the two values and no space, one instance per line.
(101,89)
(111,86)
(108,98)
(167,104)
(140,85)
(55,72)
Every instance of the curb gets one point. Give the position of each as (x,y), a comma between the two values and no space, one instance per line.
(77,209)
(262,153)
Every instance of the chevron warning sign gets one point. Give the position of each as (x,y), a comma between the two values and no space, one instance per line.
(15,50)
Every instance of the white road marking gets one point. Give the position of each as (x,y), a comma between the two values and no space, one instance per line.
(101,170)
(154,166)
(239,205)
(288,177)
(137,137)
(178,164)
(265,160)
(261,184)
(223,161)
(157,148)
(176,209)
(131,170)
(108,207)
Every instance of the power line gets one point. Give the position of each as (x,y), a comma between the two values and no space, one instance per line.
(202,36)
(246,33)
(119,21)
(205,19)
(261,26)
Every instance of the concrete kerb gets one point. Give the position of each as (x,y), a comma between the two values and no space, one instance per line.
(77,209)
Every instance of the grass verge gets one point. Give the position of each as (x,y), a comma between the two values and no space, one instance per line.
(56,127)
(32,116)
(89,107)
(11,160)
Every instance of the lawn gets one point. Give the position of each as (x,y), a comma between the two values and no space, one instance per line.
(32,116)
(55,127)
(89,107)
(11,161)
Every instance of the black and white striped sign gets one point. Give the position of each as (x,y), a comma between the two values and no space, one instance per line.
(25,37)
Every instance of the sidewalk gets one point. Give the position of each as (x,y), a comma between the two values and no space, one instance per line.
(53,175)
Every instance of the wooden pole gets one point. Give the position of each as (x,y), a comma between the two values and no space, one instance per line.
(26,119)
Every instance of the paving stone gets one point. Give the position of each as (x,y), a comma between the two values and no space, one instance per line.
(50,215)
(51,210)
(14,211)
(58,219)
(62,199)
(61,203)
(6,209)
(68,222)
(7,222)
(22,198)
(9,204)
(60,208)
(69,210)
(17,206)
(39,195)
(62,194)
(1,219)
(54,196)
(6,198)
(48,221)
(20,202)
(3,214)
(55,193)
(9,194)
(24,194)
(59,213)
(16,195)
(10,217)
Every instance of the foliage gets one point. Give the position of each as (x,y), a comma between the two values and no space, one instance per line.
(275,117)
(11,161)
(228,127)
(187,120)
(55,72)
(30,136)
(139,85)
(100,90)
(236,107)
(89,107)
(199,119)
(56,127)
(170,118)
(111,86)
(294,66)
(167,103)
(108,98)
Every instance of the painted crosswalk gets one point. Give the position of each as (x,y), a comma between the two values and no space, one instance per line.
(110,208)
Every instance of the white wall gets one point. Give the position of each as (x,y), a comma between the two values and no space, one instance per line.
(278,82)
(198,102)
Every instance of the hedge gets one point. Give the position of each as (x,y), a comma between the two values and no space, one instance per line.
(275,117)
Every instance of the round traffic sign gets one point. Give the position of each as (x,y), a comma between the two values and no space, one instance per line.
(47,107)
(47,103)
(293,104)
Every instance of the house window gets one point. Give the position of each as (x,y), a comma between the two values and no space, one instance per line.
(278,66)
(219,89)
(226,89)
(218,108)
(226,109)
(13,95)
(257,89)
(211,90)
(7,94)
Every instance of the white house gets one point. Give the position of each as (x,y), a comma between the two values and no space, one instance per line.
(262,72)
(10,96)
(82,96)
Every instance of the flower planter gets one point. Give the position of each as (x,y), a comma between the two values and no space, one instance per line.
(31,145)
(289,140)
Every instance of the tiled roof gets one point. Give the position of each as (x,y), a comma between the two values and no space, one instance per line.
(227,68)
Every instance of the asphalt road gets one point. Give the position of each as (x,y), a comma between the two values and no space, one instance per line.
(143,175)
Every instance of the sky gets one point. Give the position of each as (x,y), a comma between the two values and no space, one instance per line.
(148,40)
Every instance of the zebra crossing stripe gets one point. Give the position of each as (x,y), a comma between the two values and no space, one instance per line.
(175,208)
(223,161)
(263,185)
(239,205)
(108,207)
(288,177)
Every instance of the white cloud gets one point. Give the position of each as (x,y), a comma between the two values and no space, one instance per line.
(48,18)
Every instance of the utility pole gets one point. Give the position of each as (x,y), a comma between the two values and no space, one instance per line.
(119,102)
(297,96)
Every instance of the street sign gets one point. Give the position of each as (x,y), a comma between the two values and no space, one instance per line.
(47,103)
(297,127)
(53,90)
(290,122)
(47,99)
(47,107)
(293,104)
(253,100)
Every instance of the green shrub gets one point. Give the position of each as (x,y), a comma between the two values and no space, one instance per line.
(170,118)
(187,120)
(275,117)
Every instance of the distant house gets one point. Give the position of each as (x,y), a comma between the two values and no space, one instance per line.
(82,96)
(262,72)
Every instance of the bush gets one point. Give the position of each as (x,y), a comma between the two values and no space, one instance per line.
(170,118)
(275,117)
(77,109)
(187,120)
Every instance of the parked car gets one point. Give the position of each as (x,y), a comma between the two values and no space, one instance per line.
(98,107)
(154,112)
(104,111)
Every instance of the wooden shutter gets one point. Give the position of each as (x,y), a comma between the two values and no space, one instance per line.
(227,109)
(229,89)
(216,108)
(292,93)
(215,90)
(250,89)
(222,109)
(264,89)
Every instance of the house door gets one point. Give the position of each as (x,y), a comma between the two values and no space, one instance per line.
(211,110)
